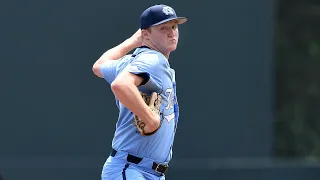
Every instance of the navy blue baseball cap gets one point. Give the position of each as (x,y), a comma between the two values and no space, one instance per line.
(159,14)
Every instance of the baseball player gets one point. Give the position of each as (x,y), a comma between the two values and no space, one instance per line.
(145,90)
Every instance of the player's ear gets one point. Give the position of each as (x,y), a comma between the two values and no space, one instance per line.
(145,34)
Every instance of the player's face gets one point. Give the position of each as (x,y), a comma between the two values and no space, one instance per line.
(165,36)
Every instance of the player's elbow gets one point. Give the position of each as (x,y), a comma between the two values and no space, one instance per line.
(120,87)
(96,70)
(117,86)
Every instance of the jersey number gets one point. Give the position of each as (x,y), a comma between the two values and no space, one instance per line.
(170,95)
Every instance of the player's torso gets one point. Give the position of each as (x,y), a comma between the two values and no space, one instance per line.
(158,146)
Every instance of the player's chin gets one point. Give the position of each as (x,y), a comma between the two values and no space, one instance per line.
(172,47)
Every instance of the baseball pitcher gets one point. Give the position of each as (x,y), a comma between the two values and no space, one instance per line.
(145,90)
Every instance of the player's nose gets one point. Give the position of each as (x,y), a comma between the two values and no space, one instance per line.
(171,33)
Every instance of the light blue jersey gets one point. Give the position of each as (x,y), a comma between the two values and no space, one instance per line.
(158,146)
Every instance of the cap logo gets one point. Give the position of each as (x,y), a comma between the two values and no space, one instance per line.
(167,10)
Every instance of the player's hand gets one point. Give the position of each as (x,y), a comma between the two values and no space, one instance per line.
(154,105)
(136,38)
(150,126)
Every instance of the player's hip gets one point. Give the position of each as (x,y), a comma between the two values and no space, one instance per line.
(119,169)
(156,147)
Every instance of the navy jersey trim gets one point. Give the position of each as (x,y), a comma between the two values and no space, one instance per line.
(145,78)
(144,47)
(124,172)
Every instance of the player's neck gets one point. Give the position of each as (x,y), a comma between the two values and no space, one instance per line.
(156,49)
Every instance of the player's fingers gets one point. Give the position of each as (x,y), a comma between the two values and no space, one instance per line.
(153,98)
(144,96)
(158,101)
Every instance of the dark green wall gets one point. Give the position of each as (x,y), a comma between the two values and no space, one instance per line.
(57,118)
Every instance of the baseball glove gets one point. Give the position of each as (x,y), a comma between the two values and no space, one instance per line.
(154,103)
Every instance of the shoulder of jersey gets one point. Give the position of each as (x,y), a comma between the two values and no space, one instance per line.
(152,54)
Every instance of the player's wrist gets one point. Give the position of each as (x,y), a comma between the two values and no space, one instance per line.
(131,43)
(153,122)
(152,126)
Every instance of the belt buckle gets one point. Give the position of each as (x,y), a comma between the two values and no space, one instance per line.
(159,165)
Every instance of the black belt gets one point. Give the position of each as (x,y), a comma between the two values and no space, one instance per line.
(159,168)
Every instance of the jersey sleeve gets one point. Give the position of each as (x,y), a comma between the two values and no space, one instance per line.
(108,70)
(149,67)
